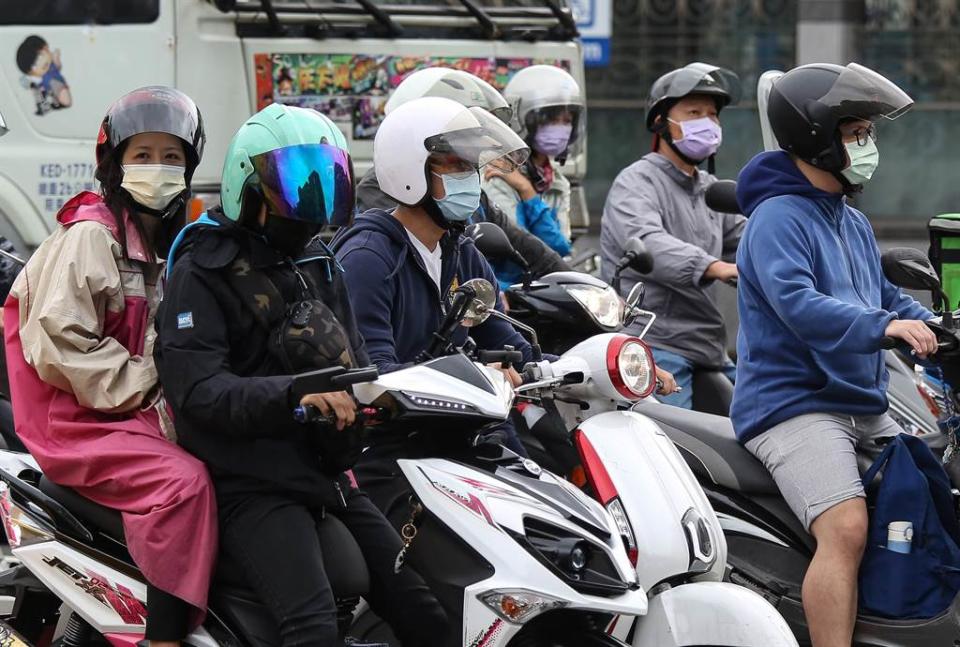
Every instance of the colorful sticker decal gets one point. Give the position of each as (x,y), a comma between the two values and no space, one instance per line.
(115,596)
(352,89)
(41,75)
(487,636)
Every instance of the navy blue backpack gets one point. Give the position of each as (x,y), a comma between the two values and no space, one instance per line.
(914,488)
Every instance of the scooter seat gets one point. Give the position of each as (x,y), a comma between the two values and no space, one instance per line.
(344,563)
(102,518)
(710,447)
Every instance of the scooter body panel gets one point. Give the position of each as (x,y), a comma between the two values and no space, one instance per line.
(112,602)
(492,397)
(712,613)
(487,514)
(657,489)
(109,600)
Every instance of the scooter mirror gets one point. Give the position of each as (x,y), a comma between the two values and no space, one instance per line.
(909,268)
(636,256)
(722,196)
(483,302)
(631,309)
(635,298)
(490,240)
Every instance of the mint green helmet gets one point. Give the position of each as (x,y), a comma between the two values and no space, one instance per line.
(297,160)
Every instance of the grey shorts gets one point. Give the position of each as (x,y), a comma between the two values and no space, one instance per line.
(813,458)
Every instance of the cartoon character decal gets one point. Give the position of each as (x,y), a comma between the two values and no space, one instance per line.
(352,89)
(41,75)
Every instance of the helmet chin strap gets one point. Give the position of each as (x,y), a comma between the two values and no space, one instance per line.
(663,131)
(433,210)
(848,188)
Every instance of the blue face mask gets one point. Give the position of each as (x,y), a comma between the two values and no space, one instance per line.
(461,195)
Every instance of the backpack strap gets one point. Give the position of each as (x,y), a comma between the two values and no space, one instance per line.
(257,292)
(939,482)
(878,464)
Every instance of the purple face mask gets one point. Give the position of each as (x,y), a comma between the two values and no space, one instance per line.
(552,139)
(701,138)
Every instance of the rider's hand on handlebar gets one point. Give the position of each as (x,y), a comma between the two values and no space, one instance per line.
(915,333)
(515,178)
(338,403)
(721,271)
(510,373)
(665,382)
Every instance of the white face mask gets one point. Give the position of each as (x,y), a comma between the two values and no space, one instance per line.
(153,185)
(863,161)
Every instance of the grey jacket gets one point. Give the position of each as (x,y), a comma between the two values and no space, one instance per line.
(542,259)
(666,208)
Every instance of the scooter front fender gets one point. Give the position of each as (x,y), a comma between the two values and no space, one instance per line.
(711,613)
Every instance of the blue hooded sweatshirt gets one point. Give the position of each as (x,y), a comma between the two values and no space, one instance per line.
(397,304)
(813,302)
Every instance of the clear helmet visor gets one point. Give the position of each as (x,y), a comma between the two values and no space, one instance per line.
(573,115)
(700,77)
(155,109)
(861,93)
(479,138)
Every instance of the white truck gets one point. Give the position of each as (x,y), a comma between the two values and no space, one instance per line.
(62,62)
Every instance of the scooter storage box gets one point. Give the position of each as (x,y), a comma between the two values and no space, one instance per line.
(945,253)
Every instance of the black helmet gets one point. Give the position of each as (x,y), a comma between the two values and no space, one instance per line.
(695,78)
(807,104)
(154,108)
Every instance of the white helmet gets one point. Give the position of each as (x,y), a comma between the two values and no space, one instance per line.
(410,133)
(464,88)
(538,93)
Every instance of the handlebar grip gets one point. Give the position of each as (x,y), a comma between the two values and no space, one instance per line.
(887,343)
(309,414)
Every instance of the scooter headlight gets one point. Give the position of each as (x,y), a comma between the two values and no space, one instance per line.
(700,541)
(630,367)
(602,303)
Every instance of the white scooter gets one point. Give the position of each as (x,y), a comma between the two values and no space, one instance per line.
(673,538)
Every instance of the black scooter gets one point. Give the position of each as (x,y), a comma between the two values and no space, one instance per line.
(768,548)
(566,307)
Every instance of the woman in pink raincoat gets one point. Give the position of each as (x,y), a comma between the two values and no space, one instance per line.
(79,331)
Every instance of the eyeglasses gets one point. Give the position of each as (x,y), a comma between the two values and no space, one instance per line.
(863,134)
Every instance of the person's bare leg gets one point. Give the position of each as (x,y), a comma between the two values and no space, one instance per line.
(830,586)
(164,643)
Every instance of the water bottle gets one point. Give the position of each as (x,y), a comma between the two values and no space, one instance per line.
(899,536)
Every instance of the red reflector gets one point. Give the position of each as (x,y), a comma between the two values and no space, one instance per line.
(597,474)
(929,401)
(633,554)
